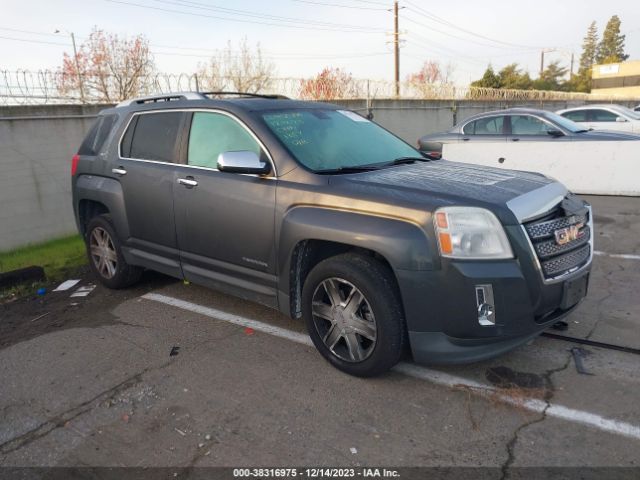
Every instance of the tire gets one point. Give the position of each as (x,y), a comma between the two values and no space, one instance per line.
(360,336)
(102,243)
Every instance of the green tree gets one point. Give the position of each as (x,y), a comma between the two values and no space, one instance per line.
(589,48)
(488,80)
(552,78)
(611,47)
(512,77)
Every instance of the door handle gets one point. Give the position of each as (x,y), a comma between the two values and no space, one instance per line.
(515,139)
(188,182)
(466,139)
(119,171)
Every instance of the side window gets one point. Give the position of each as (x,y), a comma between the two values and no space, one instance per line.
(528,125)
(152,136)
(214,133)
(576,116)
(602,116)
(97,135)
(485,126)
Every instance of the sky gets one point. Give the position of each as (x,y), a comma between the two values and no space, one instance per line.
(301,37)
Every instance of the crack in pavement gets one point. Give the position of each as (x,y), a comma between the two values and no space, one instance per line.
(549,392)
(61,419)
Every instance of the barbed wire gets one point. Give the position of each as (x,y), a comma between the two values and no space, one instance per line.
(24,87)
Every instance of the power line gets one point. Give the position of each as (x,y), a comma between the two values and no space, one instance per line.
(339,5)
(282,24)
(435,18)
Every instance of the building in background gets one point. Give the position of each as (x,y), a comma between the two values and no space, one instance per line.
(617,79)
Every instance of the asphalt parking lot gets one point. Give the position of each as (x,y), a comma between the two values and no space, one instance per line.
(90,381)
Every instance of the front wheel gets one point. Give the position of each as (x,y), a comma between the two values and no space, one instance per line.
(354,315)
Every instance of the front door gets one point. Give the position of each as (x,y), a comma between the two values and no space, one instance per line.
(225,221)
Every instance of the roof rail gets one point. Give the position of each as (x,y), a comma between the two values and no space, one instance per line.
(167,97)
(245,94)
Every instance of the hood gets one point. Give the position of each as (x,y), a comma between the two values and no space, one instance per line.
(441,183)
(607,135)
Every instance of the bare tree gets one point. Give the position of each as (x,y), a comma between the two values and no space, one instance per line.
(107,68)
(244,70)
(329,84)
(432,80)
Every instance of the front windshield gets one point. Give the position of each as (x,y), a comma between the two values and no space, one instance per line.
(325,140)
(564,122)
(628,112)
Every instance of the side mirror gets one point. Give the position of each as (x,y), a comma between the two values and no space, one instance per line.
(621,120)
(555,133)
(243,161)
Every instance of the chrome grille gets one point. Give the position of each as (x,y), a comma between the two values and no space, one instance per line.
(558,260)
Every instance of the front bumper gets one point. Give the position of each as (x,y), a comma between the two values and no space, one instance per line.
(441,308)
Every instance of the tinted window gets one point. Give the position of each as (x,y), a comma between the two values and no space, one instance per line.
(577,116)
(214,133)
(325,139)
(97,135)
(528,125)
(485,126)
(602,116)
(154,137)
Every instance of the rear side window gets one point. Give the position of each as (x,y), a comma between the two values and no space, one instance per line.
(485,126)
(577,116)
(97,135)
(152,136)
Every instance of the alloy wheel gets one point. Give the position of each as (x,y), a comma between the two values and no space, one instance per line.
(344,320)
(103,252)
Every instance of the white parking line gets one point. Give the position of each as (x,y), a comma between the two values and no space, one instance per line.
(422,373)
(626,256)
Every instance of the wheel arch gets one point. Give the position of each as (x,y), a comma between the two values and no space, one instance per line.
(98,195)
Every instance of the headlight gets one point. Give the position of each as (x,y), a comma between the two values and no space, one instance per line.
(470,233)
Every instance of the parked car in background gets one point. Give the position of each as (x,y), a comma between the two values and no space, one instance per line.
(596,162)
(324,215)
(604,117)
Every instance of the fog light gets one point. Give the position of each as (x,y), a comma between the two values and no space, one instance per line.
(485,304)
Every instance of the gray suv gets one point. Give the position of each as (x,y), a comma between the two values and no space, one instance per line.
(324,215)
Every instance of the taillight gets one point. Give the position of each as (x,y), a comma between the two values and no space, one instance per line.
(74,164)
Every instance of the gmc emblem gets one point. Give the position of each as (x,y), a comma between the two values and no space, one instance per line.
(568,234)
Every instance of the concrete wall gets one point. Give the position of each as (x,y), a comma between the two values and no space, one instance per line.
(36,146)
(37,143)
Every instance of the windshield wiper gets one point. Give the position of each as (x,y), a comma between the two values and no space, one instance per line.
(584,130)
(349,169)
(402,160)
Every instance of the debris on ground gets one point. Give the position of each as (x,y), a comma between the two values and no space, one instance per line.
(83,291)
(174,351)
(41,291)
(354,450)
(249,331)
(66,285)
(180,432)
(40,316)
(561,326)
(578,355)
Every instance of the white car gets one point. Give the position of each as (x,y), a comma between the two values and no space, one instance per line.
(604,117)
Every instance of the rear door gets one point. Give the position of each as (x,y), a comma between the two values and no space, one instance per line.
(225,221)
(147,170)
(481,142)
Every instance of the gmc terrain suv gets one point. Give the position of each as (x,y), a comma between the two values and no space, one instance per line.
(316,211)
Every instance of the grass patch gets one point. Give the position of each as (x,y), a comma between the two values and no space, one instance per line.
(57,257)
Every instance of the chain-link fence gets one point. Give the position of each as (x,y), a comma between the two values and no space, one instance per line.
(47,87)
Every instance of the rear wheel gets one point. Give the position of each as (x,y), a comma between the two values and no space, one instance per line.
(353,314)
(105,254)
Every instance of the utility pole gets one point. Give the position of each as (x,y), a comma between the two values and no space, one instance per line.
(75,56)
(541,62)
(571,74)
(396,45)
